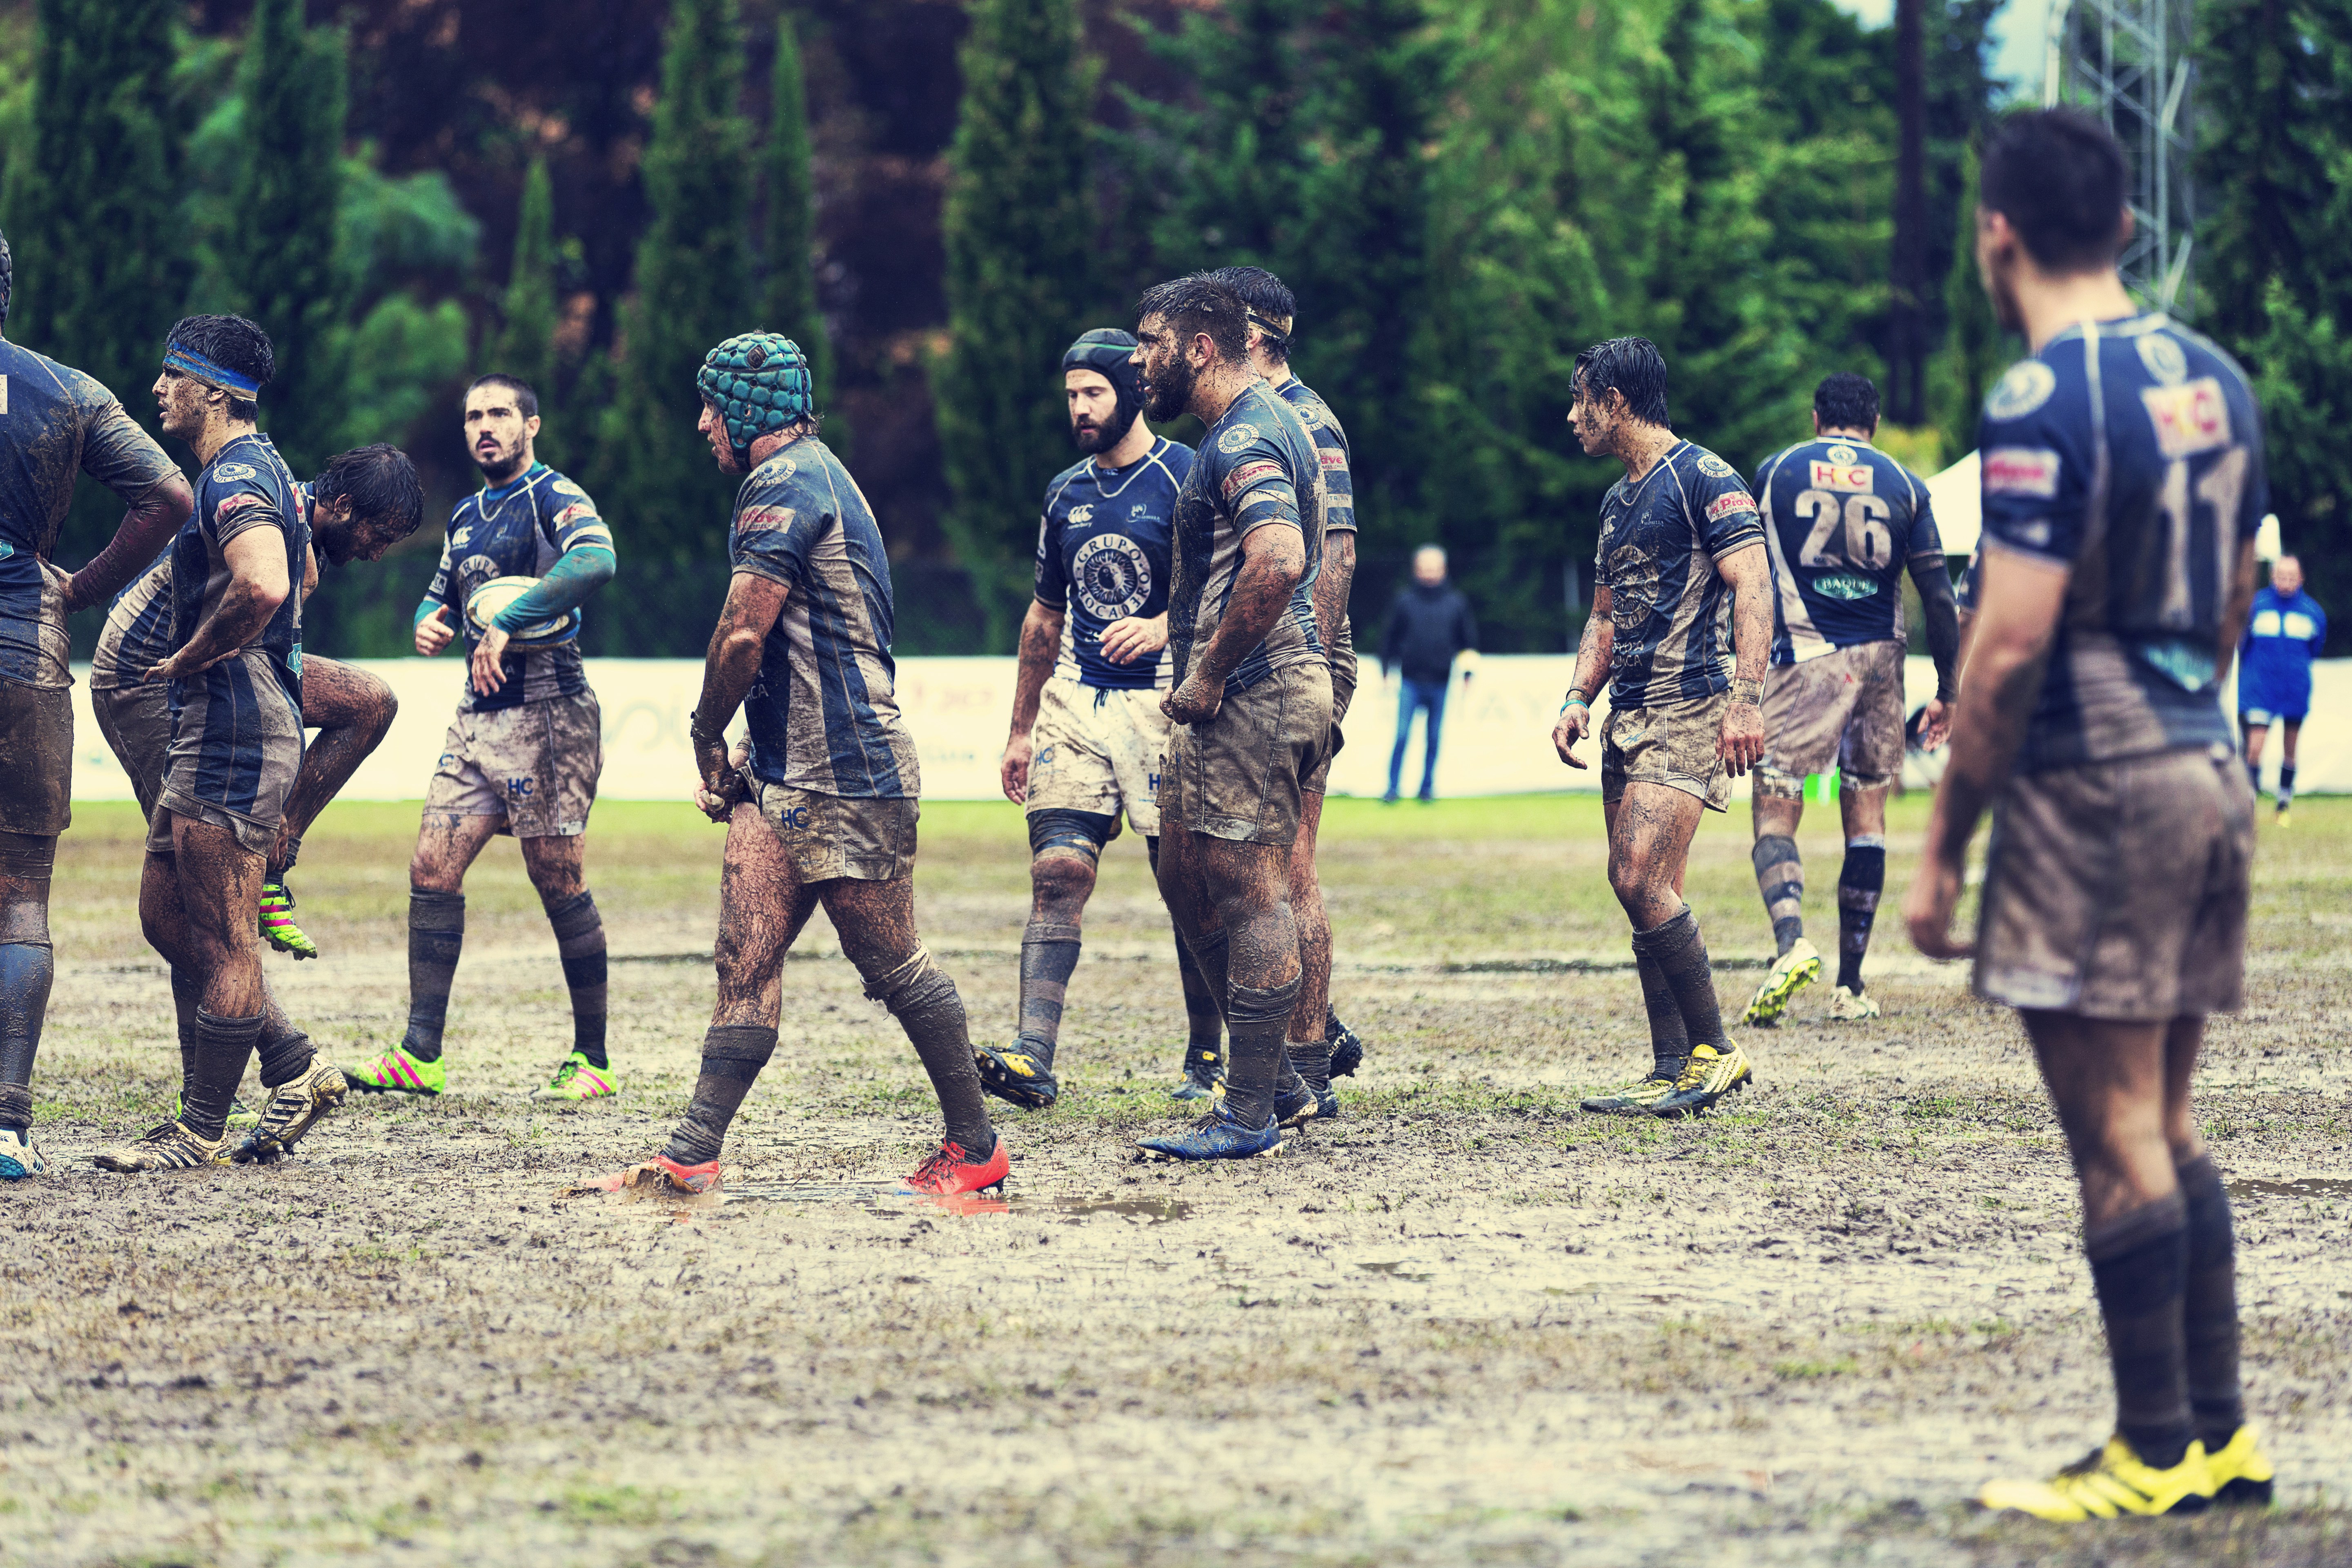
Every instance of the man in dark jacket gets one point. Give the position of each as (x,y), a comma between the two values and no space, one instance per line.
(1429,624)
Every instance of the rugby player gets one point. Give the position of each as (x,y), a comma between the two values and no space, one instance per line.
(1088,734)
(1320,1047)
(351,709)
(2123,480)
(1252,702)
(233,673)
(1842,522)
(1680,562)
(56,425)
(2286,632)
(825,812)
(522,754)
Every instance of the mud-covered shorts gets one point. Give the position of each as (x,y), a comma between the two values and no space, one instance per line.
(35,758)
(1673,745)
(137,723)
(535,765)
(830,837)
(1343,691)
(2119,890)
(1238,775)
(1098,749)
(1843,707)
(236,747)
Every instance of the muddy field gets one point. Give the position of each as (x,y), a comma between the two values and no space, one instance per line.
(1464,1324)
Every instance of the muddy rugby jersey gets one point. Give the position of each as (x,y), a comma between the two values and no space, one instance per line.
(137,636)
(247,486)
(2130,452)
(516,531)
(1257,467)
(1103,555)
(1843,520)
(824,713)
(1338,488)
(1671,609)
(56,425)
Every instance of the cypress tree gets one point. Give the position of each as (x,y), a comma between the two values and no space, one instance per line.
(693,290)
(525,344)
(281,253)
(789,304)
(1975,349)
(102,259)
(1017,226)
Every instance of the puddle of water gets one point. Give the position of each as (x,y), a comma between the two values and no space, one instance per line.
(1149,1210)
(1398,1270)
(2292,1187)
(877,1197)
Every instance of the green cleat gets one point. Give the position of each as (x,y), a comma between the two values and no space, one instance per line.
(1792,973)
(278,927)
(397,1072)
(576,1079)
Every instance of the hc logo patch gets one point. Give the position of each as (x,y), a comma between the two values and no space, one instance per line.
(797,819)
(518,789)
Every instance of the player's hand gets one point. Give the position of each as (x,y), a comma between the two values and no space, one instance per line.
(1124,642)
(1013,771)
(1935,724)
(433,633)
(489,670)
(1928,907)
(1575,723)
(179,666)
(1195,701)
(723,784)
(1741,744)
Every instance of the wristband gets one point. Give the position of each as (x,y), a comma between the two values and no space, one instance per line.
(1575,700)
(1747,691)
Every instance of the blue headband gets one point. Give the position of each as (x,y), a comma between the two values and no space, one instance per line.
(192,363)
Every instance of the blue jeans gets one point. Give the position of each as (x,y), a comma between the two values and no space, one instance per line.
(1413,696)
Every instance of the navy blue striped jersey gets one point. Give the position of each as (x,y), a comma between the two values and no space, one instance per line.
(137,636)
(1338,492)
(824,713)
(1102,556)
(1257,467)
(1670,609)
(2131,452)
(56,425)
(1843,520)
(247,486)
(516,531)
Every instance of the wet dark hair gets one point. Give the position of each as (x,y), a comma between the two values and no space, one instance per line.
(381,483)
(1846,400)
(1270,302)
(1632,366)
(2061,179)
(1197,303)
(526,400)
(233,343)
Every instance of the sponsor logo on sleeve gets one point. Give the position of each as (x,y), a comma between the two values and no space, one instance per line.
(2021,471)
(573,513)
(1713,467)
(2188,418)
(229,473)
(762,519)
(2163,357)
(1236,438)
(1331,458)
(1724,506)
(1843,474)
(2026,387)
(230,505)
(1249,474)
(566,487)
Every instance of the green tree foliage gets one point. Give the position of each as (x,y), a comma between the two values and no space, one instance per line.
(694,290)
(1976,351)
(102,259)
(1019,279)
(788,297)
(526,343)
(281,250)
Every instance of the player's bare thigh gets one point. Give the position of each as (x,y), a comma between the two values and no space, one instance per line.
(763,907)
(446,844)
(1650,830)
(337,696)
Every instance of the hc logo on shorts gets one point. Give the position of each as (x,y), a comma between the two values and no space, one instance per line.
(518,789)
(797,818)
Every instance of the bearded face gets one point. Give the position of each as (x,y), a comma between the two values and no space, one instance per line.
(1168,376)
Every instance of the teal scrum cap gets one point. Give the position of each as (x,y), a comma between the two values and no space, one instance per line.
(759,383)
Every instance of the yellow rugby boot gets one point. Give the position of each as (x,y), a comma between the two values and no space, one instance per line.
(1851,1006)
(1712,1072)
(2241,1470)
(1635,1098)
(2108,1483)
(1790,973)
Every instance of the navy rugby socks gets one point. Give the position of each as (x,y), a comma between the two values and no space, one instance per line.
(224,1046)
(1860,881)
(1256,1018)
(27,970)
(1680,954)
(2210,1315)
(2287,786)
(1669,1041)
(1781,877)
(732,1056)
(2139,1266)
(924,1000)
(437,932)
(1049,954)
(580,940)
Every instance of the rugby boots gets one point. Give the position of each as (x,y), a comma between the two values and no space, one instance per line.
(576,1079)
(295,1107)
(1203,1071)
(2108,1483)
(1790,973)
(168,1147)
(1022,1072)
(1635,1098)
(1346,1050)
(19,1160)
(2241,1472)
(1711,1073)
(1216,1136)
(397,1072)
(951,1172)
(278,927)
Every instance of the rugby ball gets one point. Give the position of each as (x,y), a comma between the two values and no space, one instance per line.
(484,604)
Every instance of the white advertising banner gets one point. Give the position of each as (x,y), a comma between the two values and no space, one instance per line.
(1496,738)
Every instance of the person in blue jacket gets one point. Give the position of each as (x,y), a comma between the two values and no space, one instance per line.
(2284,635)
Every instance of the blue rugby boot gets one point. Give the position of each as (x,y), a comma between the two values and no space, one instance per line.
(1217,1136)
(19,1160)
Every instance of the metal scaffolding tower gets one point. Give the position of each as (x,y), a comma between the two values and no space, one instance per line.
(2131,63)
